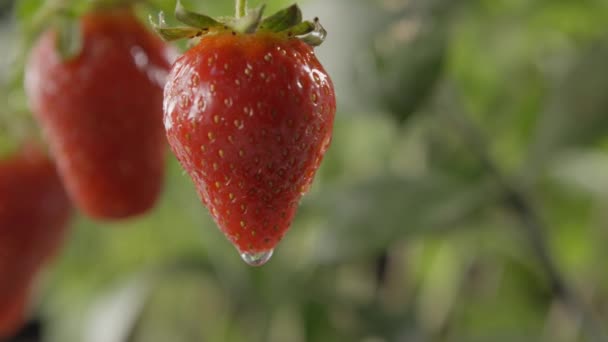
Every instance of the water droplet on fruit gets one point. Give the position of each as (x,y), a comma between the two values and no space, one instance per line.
(305,188)
(257,258)
(139,57)
(317,78)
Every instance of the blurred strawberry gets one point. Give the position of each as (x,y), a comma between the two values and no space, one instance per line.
(34,215)
(13,312)
(101,111)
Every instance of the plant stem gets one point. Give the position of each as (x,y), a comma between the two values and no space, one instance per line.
(241,8)
(533,227)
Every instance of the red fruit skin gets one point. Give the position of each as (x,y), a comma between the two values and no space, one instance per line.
(102,112)
(34,216)
(13,312)
(250,117)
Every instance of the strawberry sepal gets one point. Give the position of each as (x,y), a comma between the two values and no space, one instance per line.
(174,33)
(69,36)
(287,21)
(283,19)
(192,19)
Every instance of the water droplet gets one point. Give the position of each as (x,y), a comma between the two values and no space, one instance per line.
(140,57)
(305,188)
(317,79)
(257,258)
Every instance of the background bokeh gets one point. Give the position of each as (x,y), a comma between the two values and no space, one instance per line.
(464,198)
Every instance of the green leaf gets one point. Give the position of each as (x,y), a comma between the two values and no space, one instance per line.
(69,37)
(409,74)
(197,20)
(304,27)
(577,112)
(250,22)
(311,33)
(283,19)
(385,209)
(172,33)
(176,33)
(26,9)
(317,36)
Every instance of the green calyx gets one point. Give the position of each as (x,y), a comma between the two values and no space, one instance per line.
(287,21)
(69,36)
(64,18)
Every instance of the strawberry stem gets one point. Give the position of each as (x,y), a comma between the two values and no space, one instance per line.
(241,8)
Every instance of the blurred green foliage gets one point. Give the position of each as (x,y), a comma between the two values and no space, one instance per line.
(406,235)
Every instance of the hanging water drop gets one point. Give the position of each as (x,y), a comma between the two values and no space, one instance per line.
(257,258)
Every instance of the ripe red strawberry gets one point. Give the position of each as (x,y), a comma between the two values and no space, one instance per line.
(34,215)
(250,116)
(102,112)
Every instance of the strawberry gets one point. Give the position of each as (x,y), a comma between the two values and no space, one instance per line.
(34,215)
(249,115)
(101,112)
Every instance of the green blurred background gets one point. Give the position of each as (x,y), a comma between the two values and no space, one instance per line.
(464,198)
